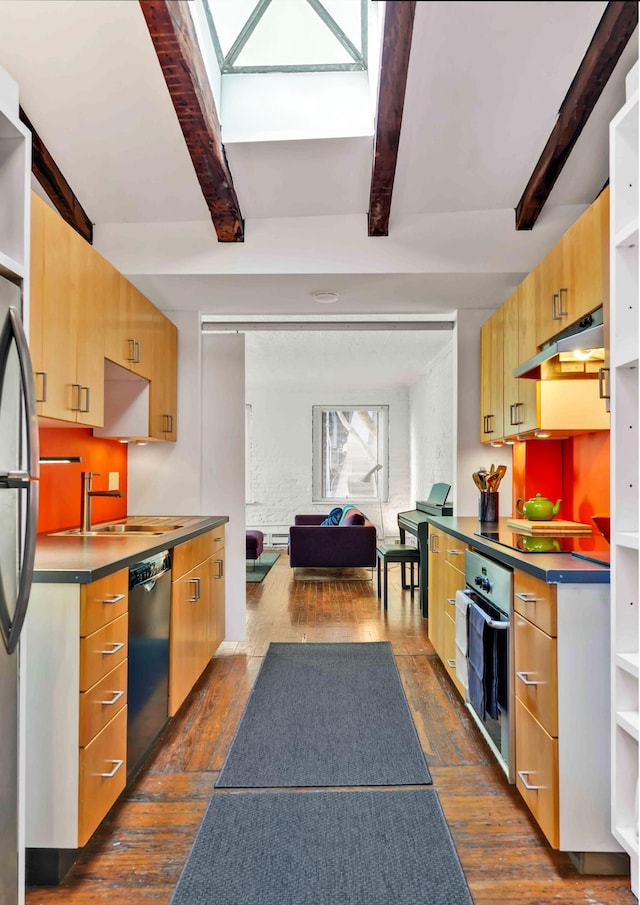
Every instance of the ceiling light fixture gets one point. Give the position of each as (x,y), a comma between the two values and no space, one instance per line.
(325,297)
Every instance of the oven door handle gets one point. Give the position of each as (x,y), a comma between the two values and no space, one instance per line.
(503,626)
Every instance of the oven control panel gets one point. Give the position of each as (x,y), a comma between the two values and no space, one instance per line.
(491,579)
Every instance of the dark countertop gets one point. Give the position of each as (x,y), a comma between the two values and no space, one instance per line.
(552,568)
(72,559)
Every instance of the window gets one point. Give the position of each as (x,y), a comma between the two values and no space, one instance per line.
(350,453)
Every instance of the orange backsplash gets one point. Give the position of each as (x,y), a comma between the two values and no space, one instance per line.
(61,483)
(575,470)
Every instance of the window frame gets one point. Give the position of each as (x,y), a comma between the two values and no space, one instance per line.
(382,475)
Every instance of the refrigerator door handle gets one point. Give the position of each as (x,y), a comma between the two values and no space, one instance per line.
(13,332)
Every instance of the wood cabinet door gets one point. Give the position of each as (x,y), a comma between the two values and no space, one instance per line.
(60,320)
(163,391)
(511,360)
(454,582)
(586,259)
(189,634)
(141,327)
(537,772)
(216,601)
(536,672)
(102,774)
(485,380)
(118,346)
(550,275)
(491,378)
(526,414)
(90,342)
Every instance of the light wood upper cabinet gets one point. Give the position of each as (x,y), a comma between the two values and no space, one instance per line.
(574,276)
(520,406)
(66,321)
(491,378)
(163,397)
(129,329)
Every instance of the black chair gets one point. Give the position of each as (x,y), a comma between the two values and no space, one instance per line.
(392,553)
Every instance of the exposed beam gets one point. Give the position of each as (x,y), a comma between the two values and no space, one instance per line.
(176,45)
(616,26)
(396,47)
(53,183)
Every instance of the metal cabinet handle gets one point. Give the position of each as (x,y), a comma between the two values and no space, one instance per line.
(554,312)
(138,352)
(220,564)
(132,350)
(42,374)
(115,599)
(111,773)
(516,406)
(196,597)
(116,697)
(451,663)
(561,313)
(601,379)
(432,543)
(490,430)
(528,598)
(87,399)
(77,388)
(115,647)
(522,774)
(455,552)
(451,600)
(523,678)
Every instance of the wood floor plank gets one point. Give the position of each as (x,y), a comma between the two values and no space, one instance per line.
(136,856)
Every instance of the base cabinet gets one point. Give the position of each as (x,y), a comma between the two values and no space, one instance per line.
(561,638)
(76,722)
(197,611)
(446,577)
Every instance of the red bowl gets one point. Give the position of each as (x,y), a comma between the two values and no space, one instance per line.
(603,524)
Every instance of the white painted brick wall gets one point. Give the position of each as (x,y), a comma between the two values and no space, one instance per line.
(432,426)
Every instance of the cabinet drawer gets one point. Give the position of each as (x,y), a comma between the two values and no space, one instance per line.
(102,651)
(450,650)
(103,773)
(536,662)
(217,539)
(190,554)
(454,551)
(101,702)
(536,601)
(537,767)
(103,600)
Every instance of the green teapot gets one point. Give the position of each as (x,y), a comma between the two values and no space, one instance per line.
(538,544)
(538,508)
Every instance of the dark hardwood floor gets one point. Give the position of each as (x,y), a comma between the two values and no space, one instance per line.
(137,854)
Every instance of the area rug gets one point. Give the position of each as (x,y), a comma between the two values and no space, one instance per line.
(302,848)
(256,571)
(326,715)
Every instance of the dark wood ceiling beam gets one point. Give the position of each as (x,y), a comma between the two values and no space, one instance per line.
(396,47)
(614,30)
(176,45)
(56,187)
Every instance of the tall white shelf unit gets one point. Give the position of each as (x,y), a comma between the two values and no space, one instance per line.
(625,473)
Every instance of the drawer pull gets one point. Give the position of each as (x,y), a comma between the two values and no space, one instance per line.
(116,697)
(451,663)
(523,678)
(220,566)
(451,600)
(115,647)
(115,599)
(117,765)
(522,774)
(528,598)
(455,552)
(195,581)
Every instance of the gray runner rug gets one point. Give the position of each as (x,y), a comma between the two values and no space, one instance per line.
(326,715)
(380,847)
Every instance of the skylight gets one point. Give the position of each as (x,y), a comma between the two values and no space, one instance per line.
(261,36)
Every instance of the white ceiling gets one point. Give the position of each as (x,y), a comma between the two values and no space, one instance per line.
(484,87)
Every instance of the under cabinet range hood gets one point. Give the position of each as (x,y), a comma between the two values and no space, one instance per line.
(576,352)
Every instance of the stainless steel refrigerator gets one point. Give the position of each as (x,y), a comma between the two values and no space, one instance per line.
(18,529)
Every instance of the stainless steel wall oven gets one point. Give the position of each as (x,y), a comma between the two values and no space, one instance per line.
(486,611)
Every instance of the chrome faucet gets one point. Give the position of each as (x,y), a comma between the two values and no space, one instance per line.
(87,493)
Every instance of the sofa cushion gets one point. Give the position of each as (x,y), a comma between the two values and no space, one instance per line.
(334,517)
(353,517)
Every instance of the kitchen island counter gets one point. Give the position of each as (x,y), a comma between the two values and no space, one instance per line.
(74,559)
(552,568)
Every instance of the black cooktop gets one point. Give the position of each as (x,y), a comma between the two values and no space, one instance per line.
(591,546)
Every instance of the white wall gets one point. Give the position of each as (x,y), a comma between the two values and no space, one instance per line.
(281,449)
(432,419)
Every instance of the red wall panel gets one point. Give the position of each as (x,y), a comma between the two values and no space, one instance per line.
(61,484)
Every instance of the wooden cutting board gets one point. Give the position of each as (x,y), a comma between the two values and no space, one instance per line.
(554,527)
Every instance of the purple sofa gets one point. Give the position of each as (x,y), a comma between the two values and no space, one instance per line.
(312,545)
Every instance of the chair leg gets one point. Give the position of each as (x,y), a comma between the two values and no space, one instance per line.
(412,584)
(385,584)
(379,588)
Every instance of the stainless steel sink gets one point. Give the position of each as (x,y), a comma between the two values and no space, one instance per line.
(120,529)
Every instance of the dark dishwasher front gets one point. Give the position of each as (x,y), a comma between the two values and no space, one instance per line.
(148,665)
